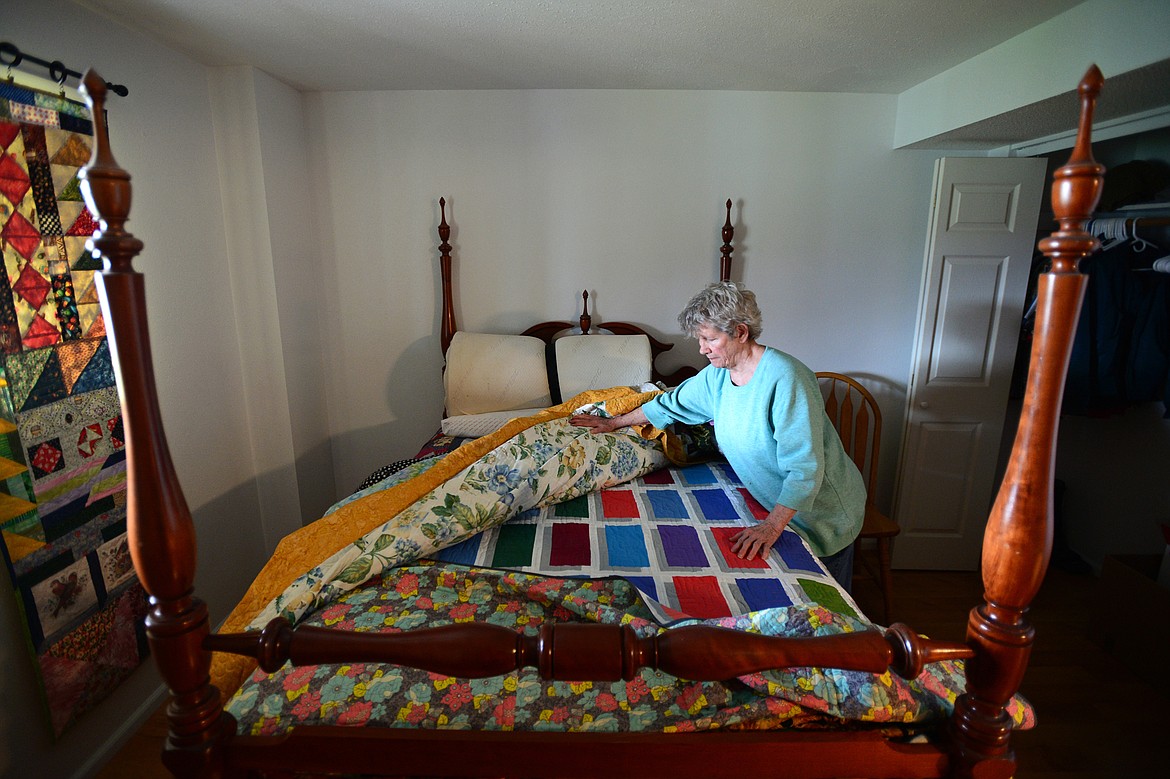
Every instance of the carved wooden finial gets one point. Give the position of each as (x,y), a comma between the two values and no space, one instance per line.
(106,187)
(444,228)
(1076,187)
(725,251)
(586,321)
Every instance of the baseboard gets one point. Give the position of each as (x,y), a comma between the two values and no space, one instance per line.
(119,737)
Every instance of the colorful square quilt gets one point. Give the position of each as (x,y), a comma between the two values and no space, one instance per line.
(62,450)
(669,533)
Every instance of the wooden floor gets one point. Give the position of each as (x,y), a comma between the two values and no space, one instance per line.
(1096,719)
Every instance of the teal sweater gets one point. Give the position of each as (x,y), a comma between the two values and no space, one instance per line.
(775,434)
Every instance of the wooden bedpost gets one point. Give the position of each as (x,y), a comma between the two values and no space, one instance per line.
(1018,540)
(161,533)
(726,250)
(447,325)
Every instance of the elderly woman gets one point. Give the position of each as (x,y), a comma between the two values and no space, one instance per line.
(770,424)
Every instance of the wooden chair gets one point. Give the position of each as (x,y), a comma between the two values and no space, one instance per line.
(858,421)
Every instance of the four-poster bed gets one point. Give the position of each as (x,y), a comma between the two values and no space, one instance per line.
(975,741)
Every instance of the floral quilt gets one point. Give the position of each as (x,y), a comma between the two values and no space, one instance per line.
(528,463)
(432,594)
(550,462)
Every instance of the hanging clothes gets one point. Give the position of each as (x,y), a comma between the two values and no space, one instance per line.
(1121,352)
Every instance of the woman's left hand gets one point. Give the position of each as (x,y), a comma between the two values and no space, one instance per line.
(755,540)
(759,539)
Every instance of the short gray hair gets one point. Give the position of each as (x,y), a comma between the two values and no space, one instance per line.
(722,305)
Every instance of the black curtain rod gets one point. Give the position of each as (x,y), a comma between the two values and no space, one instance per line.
(11,56)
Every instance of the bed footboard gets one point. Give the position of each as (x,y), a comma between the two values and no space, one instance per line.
(577,651)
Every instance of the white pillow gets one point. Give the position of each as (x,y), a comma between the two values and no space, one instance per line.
(477,425)
(586,362)
(488,373)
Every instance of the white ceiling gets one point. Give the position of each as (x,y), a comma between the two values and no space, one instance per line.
(876,46)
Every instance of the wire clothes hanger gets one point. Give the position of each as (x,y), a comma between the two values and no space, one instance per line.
(1160,265)
(1139,244)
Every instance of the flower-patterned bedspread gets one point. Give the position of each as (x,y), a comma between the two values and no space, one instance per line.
(432,594)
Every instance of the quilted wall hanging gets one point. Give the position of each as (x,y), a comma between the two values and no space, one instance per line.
(62,455)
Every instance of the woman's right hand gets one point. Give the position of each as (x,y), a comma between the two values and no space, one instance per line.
(596,424)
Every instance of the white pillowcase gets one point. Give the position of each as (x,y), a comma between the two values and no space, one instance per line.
(487,373)
(586,362)
(477,425)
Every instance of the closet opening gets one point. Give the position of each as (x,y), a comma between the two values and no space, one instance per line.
(1113,453)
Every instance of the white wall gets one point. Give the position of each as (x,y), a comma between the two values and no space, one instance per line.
(275,281)
(620,193)
(162,134)
(1117,35)
(299,276)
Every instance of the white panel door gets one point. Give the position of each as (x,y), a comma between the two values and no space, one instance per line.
(978,254)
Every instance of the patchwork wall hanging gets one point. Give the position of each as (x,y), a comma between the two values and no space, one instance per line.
(62,455)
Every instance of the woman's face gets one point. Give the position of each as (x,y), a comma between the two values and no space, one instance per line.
(720,348)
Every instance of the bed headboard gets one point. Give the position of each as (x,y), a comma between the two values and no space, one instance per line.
(548,331)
